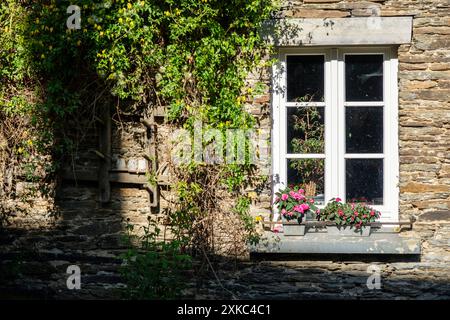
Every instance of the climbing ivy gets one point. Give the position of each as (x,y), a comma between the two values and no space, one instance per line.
(193,56)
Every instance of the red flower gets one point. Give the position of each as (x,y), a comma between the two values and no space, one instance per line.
(338,199)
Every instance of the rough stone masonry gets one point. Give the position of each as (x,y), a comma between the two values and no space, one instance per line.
(86,234)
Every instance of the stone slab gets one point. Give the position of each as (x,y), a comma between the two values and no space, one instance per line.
(323,243)
(338,31)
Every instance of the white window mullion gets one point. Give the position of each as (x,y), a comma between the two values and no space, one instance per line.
(305,104)
(393,127)
(364,104)
(277,96)
(364,156)
(386,137)
(340,131)
(283,124)
(331,128)
(305,156)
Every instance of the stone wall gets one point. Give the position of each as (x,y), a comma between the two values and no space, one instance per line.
(37,248)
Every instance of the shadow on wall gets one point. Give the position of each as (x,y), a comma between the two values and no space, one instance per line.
(327,277)
(36,249)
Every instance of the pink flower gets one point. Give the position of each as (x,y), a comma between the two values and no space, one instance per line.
(283,211)
(311,200)
(284,197)
(304,206)
(372,213)
(318,211)
(298,196)
(341,213)
(338,199)
(301,191)
(356,213)
(292,194)
(299,208)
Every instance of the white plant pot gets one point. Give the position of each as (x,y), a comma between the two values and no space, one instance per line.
(293,229)
(364,231)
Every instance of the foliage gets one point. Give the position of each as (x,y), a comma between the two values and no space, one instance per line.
(193,56)
(156,269)
(242,209)
(353,214)
(293,204)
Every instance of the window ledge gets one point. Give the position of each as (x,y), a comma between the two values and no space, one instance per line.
(323,243)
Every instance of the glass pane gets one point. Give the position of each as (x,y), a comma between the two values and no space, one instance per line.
(364,129)
(364,180)
(305,130)
(308,173)
(364,77)
(305,78)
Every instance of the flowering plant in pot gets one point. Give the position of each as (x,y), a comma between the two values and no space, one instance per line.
(293,205)
(348,218)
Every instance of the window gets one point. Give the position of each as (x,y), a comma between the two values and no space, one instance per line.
(335,125)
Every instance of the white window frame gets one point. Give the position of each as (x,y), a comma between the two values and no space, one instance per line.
(334,95)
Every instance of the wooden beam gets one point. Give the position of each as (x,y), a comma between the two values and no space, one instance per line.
(114,176)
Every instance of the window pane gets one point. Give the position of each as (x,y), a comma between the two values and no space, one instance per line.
(308,173)
(364,77)
(364,129)
(305,78)
(364,180)
(305,130)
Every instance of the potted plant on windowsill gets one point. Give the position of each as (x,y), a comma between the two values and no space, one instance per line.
(293,205)
(348,219)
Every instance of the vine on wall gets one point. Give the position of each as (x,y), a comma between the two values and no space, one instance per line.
(193,56)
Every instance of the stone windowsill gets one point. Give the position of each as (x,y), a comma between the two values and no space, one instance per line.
(323,243)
